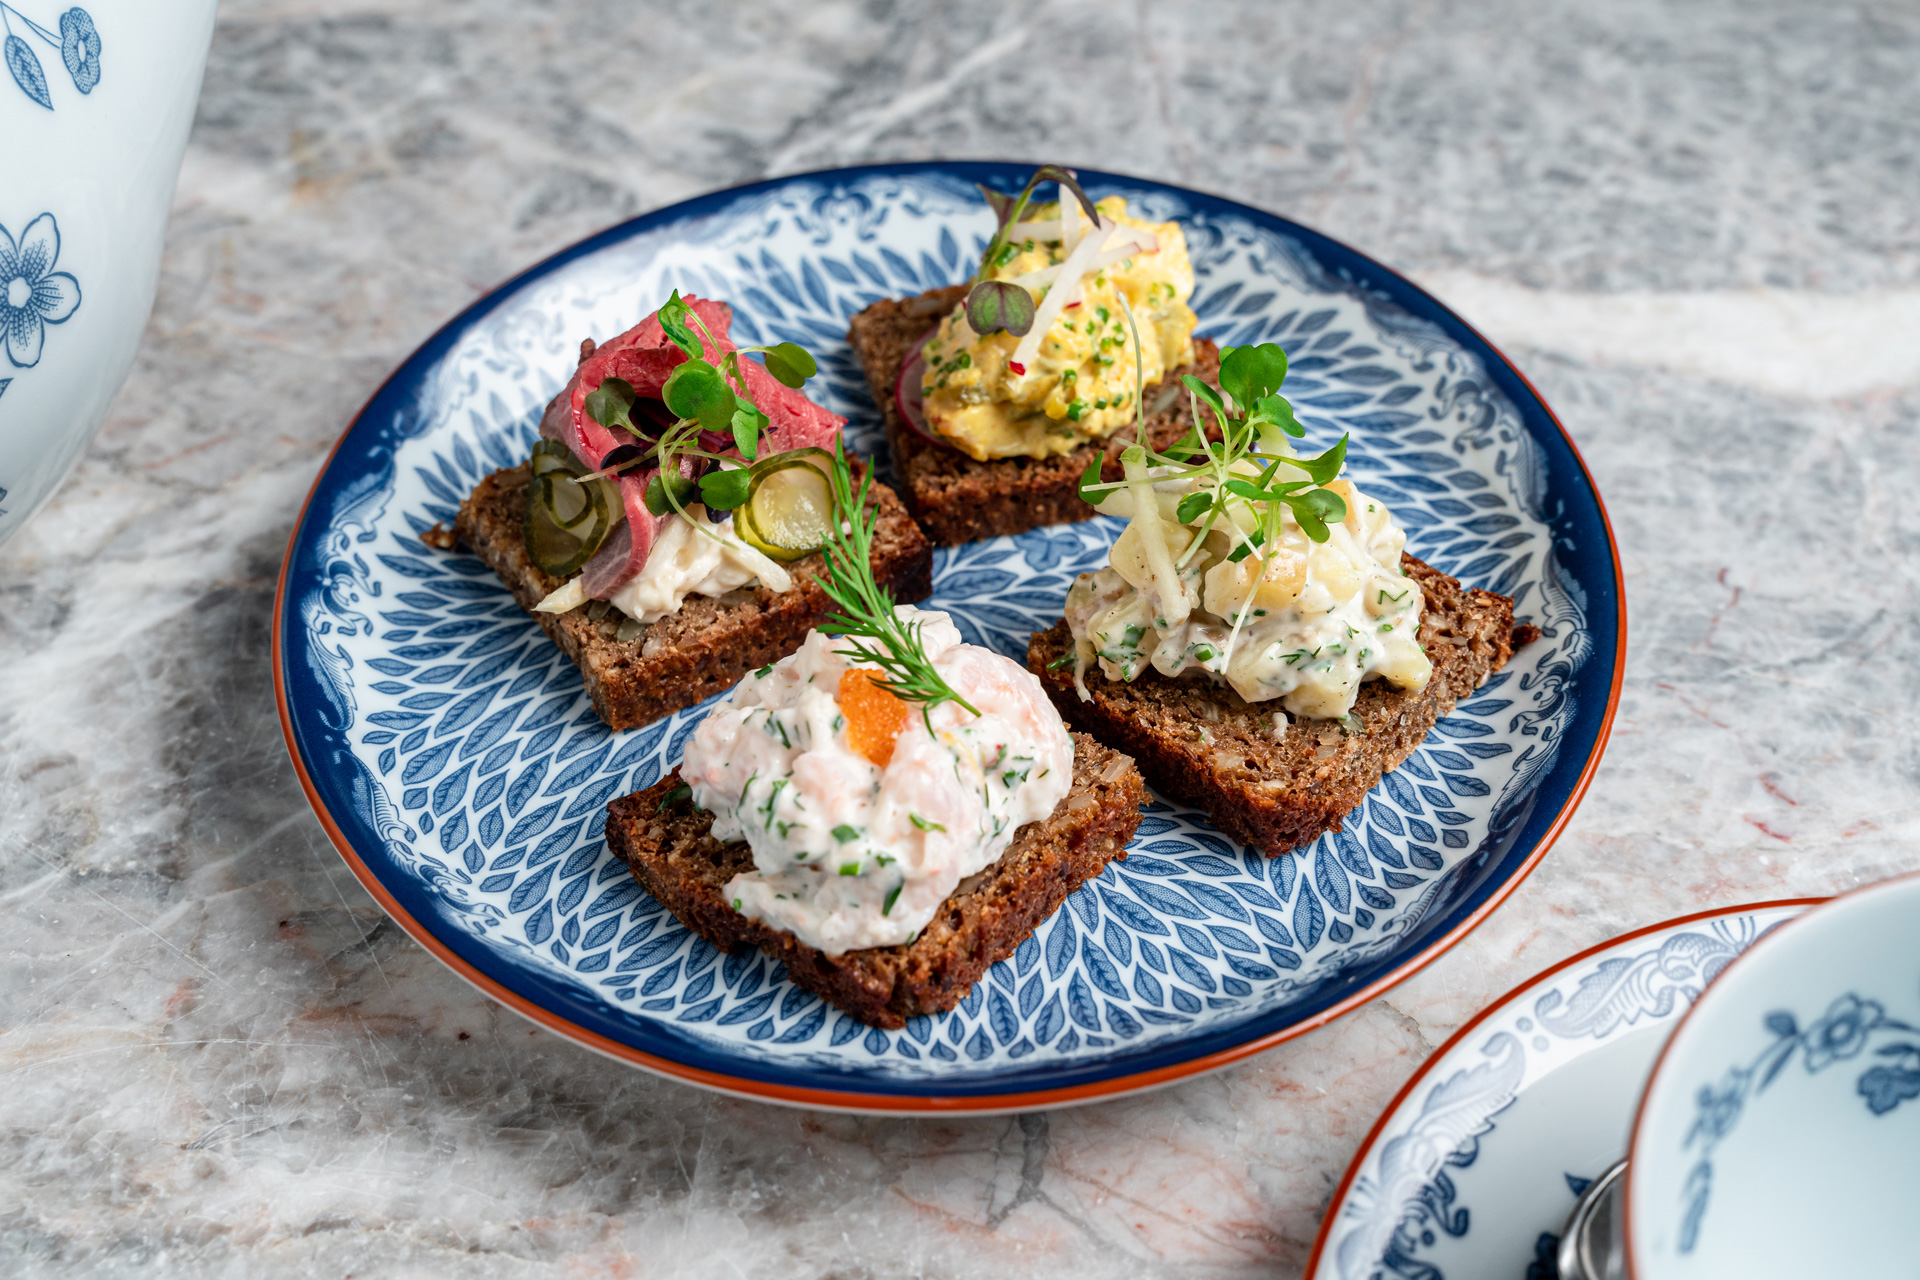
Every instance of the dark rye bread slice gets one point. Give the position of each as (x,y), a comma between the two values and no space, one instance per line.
(709,644)
(957,499)
(673,854)
(1203,745)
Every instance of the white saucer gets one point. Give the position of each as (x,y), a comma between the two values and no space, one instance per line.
(1475,1166)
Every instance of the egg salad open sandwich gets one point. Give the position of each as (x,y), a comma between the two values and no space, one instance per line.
(1259,640)
(997,393)
(667,530)
(888,812)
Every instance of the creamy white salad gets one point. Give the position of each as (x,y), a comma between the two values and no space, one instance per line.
(850,854)
(691,556)
(1302,622)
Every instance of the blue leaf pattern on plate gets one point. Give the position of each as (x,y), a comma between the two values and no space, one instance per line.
(503,753)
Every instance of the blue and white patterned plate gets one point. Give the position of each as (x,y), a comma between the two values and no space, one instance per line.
(1476,1165)
(450,751)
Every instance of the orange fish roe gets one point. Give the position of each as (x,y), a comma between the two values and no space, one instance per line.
(874,715)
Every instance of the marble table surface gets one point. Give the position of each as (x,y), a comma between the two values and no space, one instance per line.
(1692,224)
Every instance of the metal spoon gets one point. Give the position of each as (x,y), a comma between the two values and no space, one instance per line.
(1591,1247)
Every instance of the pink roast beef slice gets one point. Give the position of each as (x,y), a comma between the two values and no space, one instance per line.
(644,357)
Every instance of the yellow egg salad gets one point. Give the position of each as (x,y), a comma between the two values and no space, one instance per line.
(1073,375)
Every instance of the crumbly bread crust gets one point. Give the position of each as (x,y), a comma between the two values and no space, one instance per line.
(709,644)
(672,853)
(957,499)
(1203,745)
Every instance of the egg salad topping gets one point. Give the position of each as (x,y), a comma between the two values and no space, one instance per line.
(1075,374)
(865,813)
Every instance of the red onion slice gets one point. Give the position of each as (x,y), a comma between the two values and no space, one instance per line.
(910,401)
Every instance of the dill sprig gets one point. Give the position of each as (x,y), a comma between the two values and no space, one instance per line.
(866,610)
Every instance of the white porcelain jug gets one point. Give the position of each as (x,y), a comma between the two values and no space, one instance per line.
(94,111)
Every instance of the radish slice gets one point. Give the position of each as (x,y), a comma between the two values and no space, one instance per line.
(1078,263)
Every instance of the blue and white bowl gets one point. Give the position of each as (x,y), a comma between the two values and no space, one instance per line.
(1472,1170)
(461,772)
(1780,1132)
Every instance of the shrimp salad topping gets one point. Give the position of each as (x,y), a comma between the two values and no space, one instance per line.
(864,812)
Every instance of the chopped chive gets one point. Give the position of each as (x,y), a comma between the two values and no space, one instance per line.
(893,896)
(923,824)
(849,868)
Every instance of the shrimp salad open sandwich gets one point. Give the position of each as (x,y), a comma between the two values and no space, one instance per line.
(666,531)
(888,812)
(1259,641)
(997,394)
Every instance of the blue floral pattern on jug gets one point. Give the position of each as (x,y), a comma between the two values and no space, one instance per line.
(32,294)
(1405,1199)
(77,40)
(469,748)
(1840,1034)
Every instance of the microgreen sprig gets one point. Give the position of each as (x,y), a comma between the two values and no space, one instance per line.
(1252,418)
(865,608)
(993,305)
(707,410)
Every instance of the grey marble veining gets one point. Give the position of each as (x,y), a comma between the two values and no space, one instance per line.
(1690,223)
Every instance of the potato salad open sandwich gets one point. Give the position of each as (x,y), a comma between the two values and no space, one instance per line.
(667,530)
(1259,640)
(998,393)
(887,812)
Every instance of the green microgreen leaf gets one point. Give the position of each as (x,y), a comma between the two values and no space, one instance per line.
(611,403)
(695,390)
(1278,410)
(999,201)
(682,490)
(1092,491)
(1207,394)
(673,319)
(1250,374)
(1193,506)
(748,423)
(1326,467)
(791,363)
(993,305)
(726,489)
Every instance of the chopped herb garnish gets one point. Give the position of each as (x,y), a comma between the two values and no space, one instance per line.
(893,896)
(866,609)
(674,796)
(923,824)
(849,868)
(844,833)
(763,672)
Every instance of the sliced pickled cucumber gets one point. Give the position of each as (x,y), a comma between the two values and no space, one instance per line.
(788,508)
(567,518)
